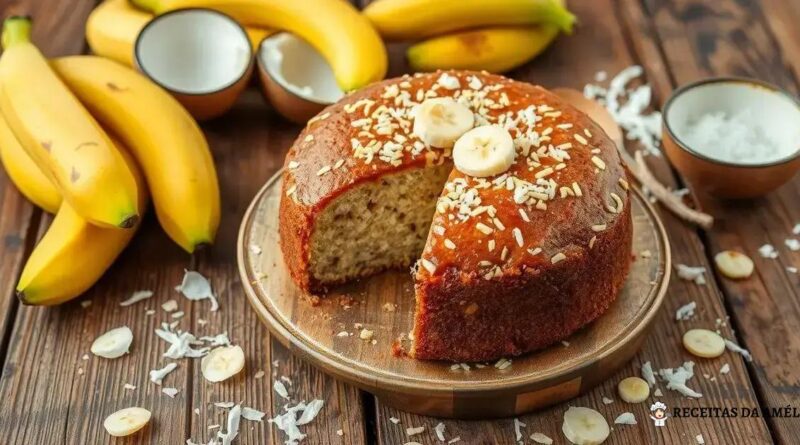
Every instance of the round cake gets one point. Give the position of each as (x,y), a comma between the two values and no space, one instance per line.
(503,264)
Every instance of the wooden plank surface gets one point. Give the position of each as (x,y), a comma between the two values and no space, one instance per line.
(765,307)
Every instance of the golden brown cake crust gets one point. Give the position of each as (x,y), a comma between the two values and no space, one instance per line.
(542,252)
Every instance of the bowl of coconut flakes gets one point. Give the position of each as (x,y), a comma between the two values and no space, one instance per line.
(733,137)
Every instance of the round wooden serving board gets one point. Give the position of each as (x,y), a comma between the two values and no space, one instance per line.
(431,388)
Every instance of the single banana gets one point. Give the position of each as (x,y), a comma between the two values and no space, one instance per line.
(442,120)
(25,174)
(496,50)
(113,26)
(61,136)
(163,137)
(585,426)
(484,151)
(73,254)
(343,36)
(417,19)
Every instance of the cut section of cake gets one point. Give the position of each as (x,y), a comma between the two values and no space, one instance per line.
(506,262)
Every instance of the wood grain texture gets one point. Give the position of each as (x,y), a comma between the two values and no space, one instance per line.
(599,44)
(765,307)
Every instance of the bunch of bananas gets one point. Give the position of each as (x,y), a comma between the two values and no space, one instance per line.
(491,35)
(56,126)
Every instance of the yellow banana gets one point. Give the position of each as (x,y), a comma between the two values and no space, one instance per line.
(25,174)
(163,138)
(113,26)
(73,254)
(61,136)
(416,19)
(334,27)
(496,50)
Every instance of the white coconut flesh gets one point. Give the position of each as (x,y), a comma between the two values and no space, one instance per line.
(194,51)
(299,68)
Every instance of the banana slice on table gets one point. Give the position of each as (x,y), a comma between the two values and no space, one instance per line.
(484,151)
(633,390)
(441,121)
(703,343)
(114,343)
(222,363)
(585,426)
(734,265)
(126,421)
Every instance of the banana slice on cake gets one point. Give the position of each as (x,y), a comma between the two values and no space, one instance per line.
(703,343)
(484,151)
(441,121)
(126,421)
(585,426)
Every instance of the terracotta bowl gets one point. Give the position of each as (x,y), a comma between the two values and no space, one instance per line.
(775,111)
(295,78)
(202,57)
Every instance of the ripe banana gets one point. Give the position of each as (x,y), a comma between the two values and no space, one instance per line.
(73,254)
(61,136)
(25,174)
(496,50)
(484,151)
(163,137)
(415,19)
(336,29)
(439,122)
(113,26)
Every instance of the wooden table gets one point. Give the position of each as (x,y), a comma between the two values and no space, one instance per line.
(51,395)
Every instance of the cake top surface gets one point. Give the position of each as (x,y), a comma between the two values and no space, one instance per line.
(565,186)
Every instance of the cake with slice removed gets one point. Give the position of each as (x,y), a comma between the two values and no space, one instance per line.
(511,254)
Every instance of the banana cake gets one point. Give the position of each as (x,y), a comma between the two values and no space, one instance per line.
(512,206)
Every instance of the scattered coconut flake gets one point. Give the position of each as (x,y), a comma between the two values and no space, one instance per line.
(136,297)
(607,401)
(149,311)
(793,244)
(699,439)
(310,411)
(339,432)
(279,388)
(685,312)
(86,303)
(255,249)
(128,386)
(172,392)
(689,273)
(439,430)
(449,82)
(180,343)
(631,114)
(252,414)
(157,375)
(454,440)
(791,269)
(259,374)
(796,229)
(366,334)
(768,251)
(178,314)
(518,429)
(394,420)
(412,431)
(733,347)
(541,439)
(658,392)
(217,340)
(232,425)
(169,306)
(625,419)
(676,379)
(287,380)
(224,405)
(726,368)
(647,374)
(196,287)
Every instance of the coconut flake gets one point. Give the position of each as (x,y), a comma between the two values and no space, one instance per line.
(449,82)
(217,340)
(224,405)
(768,251)
(793,244)
(676,379)
(279,388)
(685,312)
(169,306)
(625,419)
(733,347)
(288,421)
(253,414)
(157,375)
(607,401)
(196,287)
(394,420)
(172,392)
(129,386)
(414,430)
(136,297)
(439,430)
(647,374)
(310,411)
(541,439)
(689,273)
(232,425)
(180,343)
(726,368)
(518,429)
